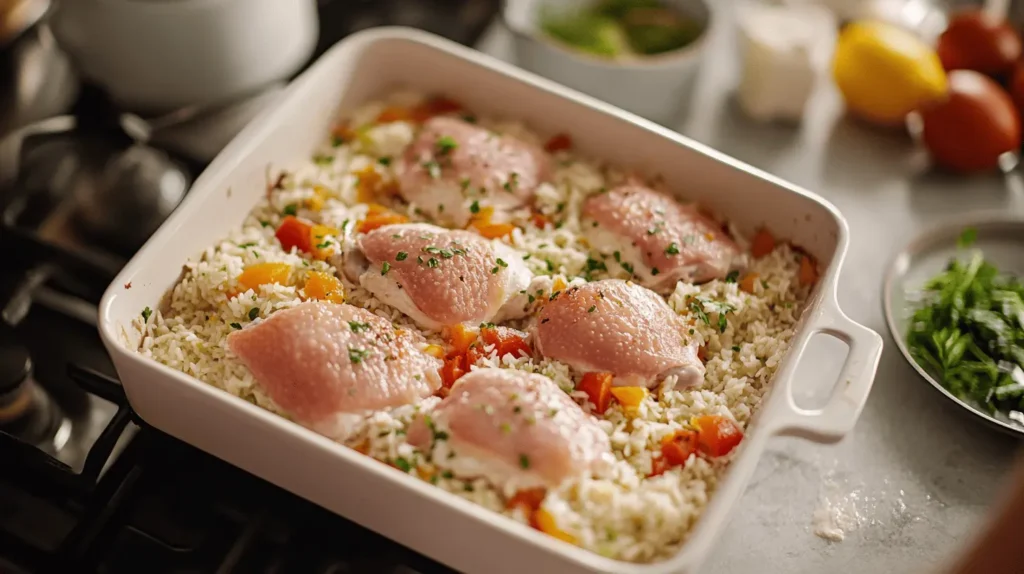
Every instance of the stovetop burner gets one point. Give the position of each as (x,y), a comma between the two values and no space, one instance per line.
(85,486)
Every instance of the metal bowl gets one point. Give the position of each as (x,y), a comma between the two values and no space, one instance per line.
(1000,238)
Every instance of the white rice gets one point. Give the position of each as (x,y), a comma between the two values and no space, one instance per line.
(621,515)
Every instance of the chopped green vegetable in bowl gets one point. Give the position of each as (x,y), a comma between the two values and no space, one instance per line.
(616,28)
(968,331)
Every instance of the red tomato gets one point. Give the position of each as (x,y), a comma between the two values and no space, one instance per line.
(677,448)
(976,41)
(506,341)
(294,232)
(717,436)
(598,387)
(974,126)
(558,142)
(453,369)
(658,467)
(531,498)
(1017,86)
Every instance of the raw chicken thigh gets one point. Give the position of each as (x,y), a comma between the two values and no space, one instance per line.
(618,327)
(325,363)
(452,164)
(436,276)
(660,240)
(516,429)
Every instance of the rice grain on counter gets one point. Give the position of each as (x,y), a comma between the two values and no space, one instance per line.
(630,511)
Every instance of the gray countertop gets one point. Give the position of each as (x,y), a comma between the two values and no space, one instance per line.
(914,478)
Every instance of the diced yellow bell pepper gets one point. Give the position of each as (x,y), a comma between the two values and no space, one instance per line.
(630,397)
(324,287)
(544,522)
(322,247)
(263,273)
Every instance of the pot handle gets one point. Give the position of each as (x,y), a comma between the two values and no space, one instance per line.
(837,418)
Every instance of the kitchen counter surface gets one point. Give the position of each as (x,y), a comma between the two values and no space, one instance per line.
(911,482)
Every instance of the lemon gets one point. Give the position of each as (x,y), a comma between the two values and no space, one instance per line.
(885,72)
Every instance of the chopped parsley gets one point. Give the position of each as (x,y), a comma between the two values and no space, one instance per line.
(627,267)
(447,474)
(384,160)
(146,313)
(356,326)
(512,183)
(432,263)
(446,145)
(595,265)
(736,348)
(356,356)
(617,256)
(654,271)
(672,249)
(323,159)
(236,326)
(551,266)
(265,223)
(403,464)
(501,262)
(524,461)
(592,309)
(494,270)
(246,245)
(401,255)
(732,276)
(253,313)
(433,168)
(384,268)
(291,209)
(337,141)
(324,245)
(475,207)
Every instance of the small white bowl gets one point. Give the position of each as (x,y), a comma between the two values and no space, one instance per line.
(655,87)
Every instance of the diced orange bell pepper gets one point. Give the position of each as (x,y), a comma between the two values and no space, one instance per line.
(529,499)
(543,521)
(598,387)
(262,274)
(294,232)
(482,224)
(558,142)
(630,397)
(717,435)
(747,283)
(506,341)
(494,230)
(762,244)
(321,246)
(394,114)
(371,186)
(808,271)
(342,133)
(677,447)
(378,216)
(324,287)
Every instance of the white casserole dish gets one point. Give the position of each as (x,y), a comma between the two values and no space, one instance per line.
(412,512)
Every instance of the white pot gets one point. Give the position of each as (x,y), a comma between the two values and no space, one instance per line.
(159,55)
(655,87)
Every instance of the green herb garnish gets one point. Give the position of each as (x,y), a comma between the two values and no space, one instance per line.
(968,331)
(146,314)
(401,255)
(356,356)
(253,313)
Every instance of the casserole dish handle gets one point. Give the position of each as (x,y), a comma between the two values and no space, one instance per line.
(832,422)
